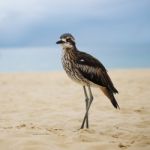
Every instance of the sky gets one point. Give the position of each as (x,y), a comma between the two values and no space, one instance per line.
(94,23)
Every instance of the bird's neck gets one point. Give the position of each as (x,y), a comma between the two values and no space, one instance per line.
(70,53)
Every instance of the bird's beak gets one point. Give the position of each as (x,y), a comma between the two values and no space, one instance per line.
(59,42)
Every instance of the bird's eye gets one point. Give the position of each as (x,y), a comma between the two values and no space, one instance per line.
(68,40)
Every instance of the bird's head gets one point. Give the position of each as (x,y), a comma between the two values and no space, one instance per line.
(66,41)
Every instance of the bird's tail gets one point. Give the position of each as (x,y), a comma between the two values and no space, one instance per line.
(111,97)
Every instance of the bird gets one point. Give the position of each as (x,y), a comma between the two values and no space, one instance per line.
(86,70)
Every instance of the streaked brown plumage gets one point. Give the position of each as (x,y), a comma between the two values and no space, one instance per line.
(86,70)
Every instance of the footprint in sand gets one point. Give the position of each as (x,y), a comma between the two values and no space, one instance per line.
(21,126)
(123,145)
(29,126)
(56,131)
(9,127)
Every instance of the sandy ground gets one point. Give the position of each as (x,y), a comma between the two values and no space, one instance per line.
(44,111)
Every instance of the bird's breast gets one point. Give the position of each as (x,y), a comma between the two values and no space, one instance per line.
(68,64)
(71,69)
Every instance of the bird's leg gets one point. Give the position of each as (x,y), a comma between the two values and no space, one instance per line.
(90,102)
(87,102)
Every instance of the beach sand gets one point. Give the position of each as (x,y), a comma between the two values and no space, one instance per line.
(44,111)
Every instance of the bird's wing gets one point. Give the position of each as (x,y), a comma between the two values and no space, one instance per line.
(93,70)
(86,59)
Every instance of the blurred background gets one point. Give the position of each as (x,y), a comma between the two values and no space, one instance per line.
(117,32)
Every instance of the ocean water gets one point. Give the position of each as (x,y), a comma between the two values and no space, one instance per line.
(49,59)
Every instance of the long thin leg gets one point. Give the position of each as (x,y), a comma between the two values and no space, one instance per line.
(86,101)
(90,102)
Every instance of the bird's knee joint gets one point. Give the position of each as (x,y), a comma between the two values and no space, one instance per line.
(86,99)
(91,98)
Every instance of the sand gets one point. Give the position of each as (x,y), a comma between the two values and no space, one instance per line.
(44,111)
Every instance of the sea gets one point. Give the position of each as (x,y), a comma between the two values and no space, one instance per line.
(40,59)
